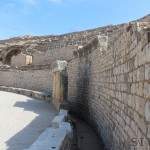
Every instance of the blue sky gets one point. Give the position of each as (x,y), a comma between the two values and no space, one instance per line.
(46,17)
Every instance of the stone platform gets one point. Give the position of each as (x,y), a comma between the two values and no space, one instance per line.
(22,120)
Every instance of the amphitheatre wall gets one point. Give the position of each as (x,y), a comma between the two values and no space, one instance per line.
(108,79)
(145,18)
(19,60)
(35,44)
(109,85)
(53,55)
(31,79)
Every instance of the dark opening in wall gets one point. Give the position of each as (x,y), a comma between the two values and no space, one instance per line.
(7,59)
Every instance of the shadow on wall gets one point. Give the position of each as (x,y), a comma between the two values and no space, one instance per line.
(27,136)
(7,59)
(82,89)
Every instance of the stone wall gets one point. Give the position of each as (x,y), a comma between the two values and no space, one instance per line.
(109,86)
(53,55)
(19,60)
(145,18)
(34,44)
(31,79)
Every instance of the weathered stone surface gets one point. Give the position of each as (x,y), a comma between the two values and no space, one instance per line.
(57,120)
(31,93)
(109,90)
(63,112)
(31,79)
(108,76)
(59,65)
(147,110)
(60,84)
(58,136)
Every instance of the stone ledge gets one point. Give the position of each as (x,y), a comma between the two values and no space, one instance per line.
(34,94)
(56,121)
(58,138)
(63,112)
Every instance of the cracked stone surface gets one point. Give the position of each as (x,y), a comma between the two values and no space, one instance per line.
(22,120)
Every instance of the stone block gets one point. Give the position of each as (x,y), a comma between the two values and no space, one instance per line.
(50,139)
(59,65)
(148,131)
(147,71)
(147,110)
(141,73)
(147,49)
(130,100)
(67,127)
(146,89)
(55,122)
(140,104)
(142,125)
(63,112)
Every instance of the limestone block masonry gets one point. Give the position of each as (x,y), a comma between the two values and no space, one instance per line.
(31,79)
(108,86)
(35,94)
(56,137)
(19,60)
(105,79)
(52,55)
(60,84)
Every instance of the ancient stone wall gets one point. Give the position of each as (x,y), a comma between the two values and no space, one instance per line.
(109,85)
(32,79)
(19,60)
(53,55)
(145,18)
(34,44)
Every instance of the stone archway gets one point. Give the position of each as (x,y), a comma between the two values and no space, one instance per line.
(10,52)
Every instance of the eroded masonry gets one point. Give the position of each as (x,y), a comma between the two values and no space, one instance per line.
(100,75)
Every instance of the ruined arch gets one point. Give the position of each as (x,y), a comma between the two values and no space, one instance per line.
(10,52)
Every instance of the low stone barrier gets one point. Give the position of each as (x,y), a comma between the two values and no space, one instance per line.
(58,137)
(31,93)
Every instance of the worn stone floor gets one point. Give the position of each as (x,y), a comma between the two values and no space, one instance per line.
(22,120)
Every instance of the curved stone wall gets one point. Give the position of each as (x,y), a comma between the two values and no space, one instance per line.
(53,55)
(109,86)
(31,79)
(108,78)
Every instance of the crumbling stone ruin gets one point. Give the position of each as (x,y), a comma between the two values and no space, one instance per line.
(100,75)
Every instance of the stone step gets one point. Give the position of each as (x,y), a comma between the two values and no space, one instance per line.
(31,93)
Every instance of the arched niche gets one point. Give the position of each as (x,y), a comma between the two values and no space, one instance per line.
(10,52)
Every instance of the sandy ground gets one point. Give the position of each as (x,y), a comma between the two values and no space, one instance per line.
(22,120)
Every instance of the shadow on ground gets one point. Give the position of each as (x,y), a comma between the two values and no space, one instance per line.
(84,136)
(27,136)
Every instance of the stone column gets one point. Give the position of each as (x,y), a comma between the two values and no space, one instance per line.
(60,84)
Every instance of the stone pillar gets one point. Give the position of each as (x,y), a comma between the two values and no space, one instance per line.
(60,84)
